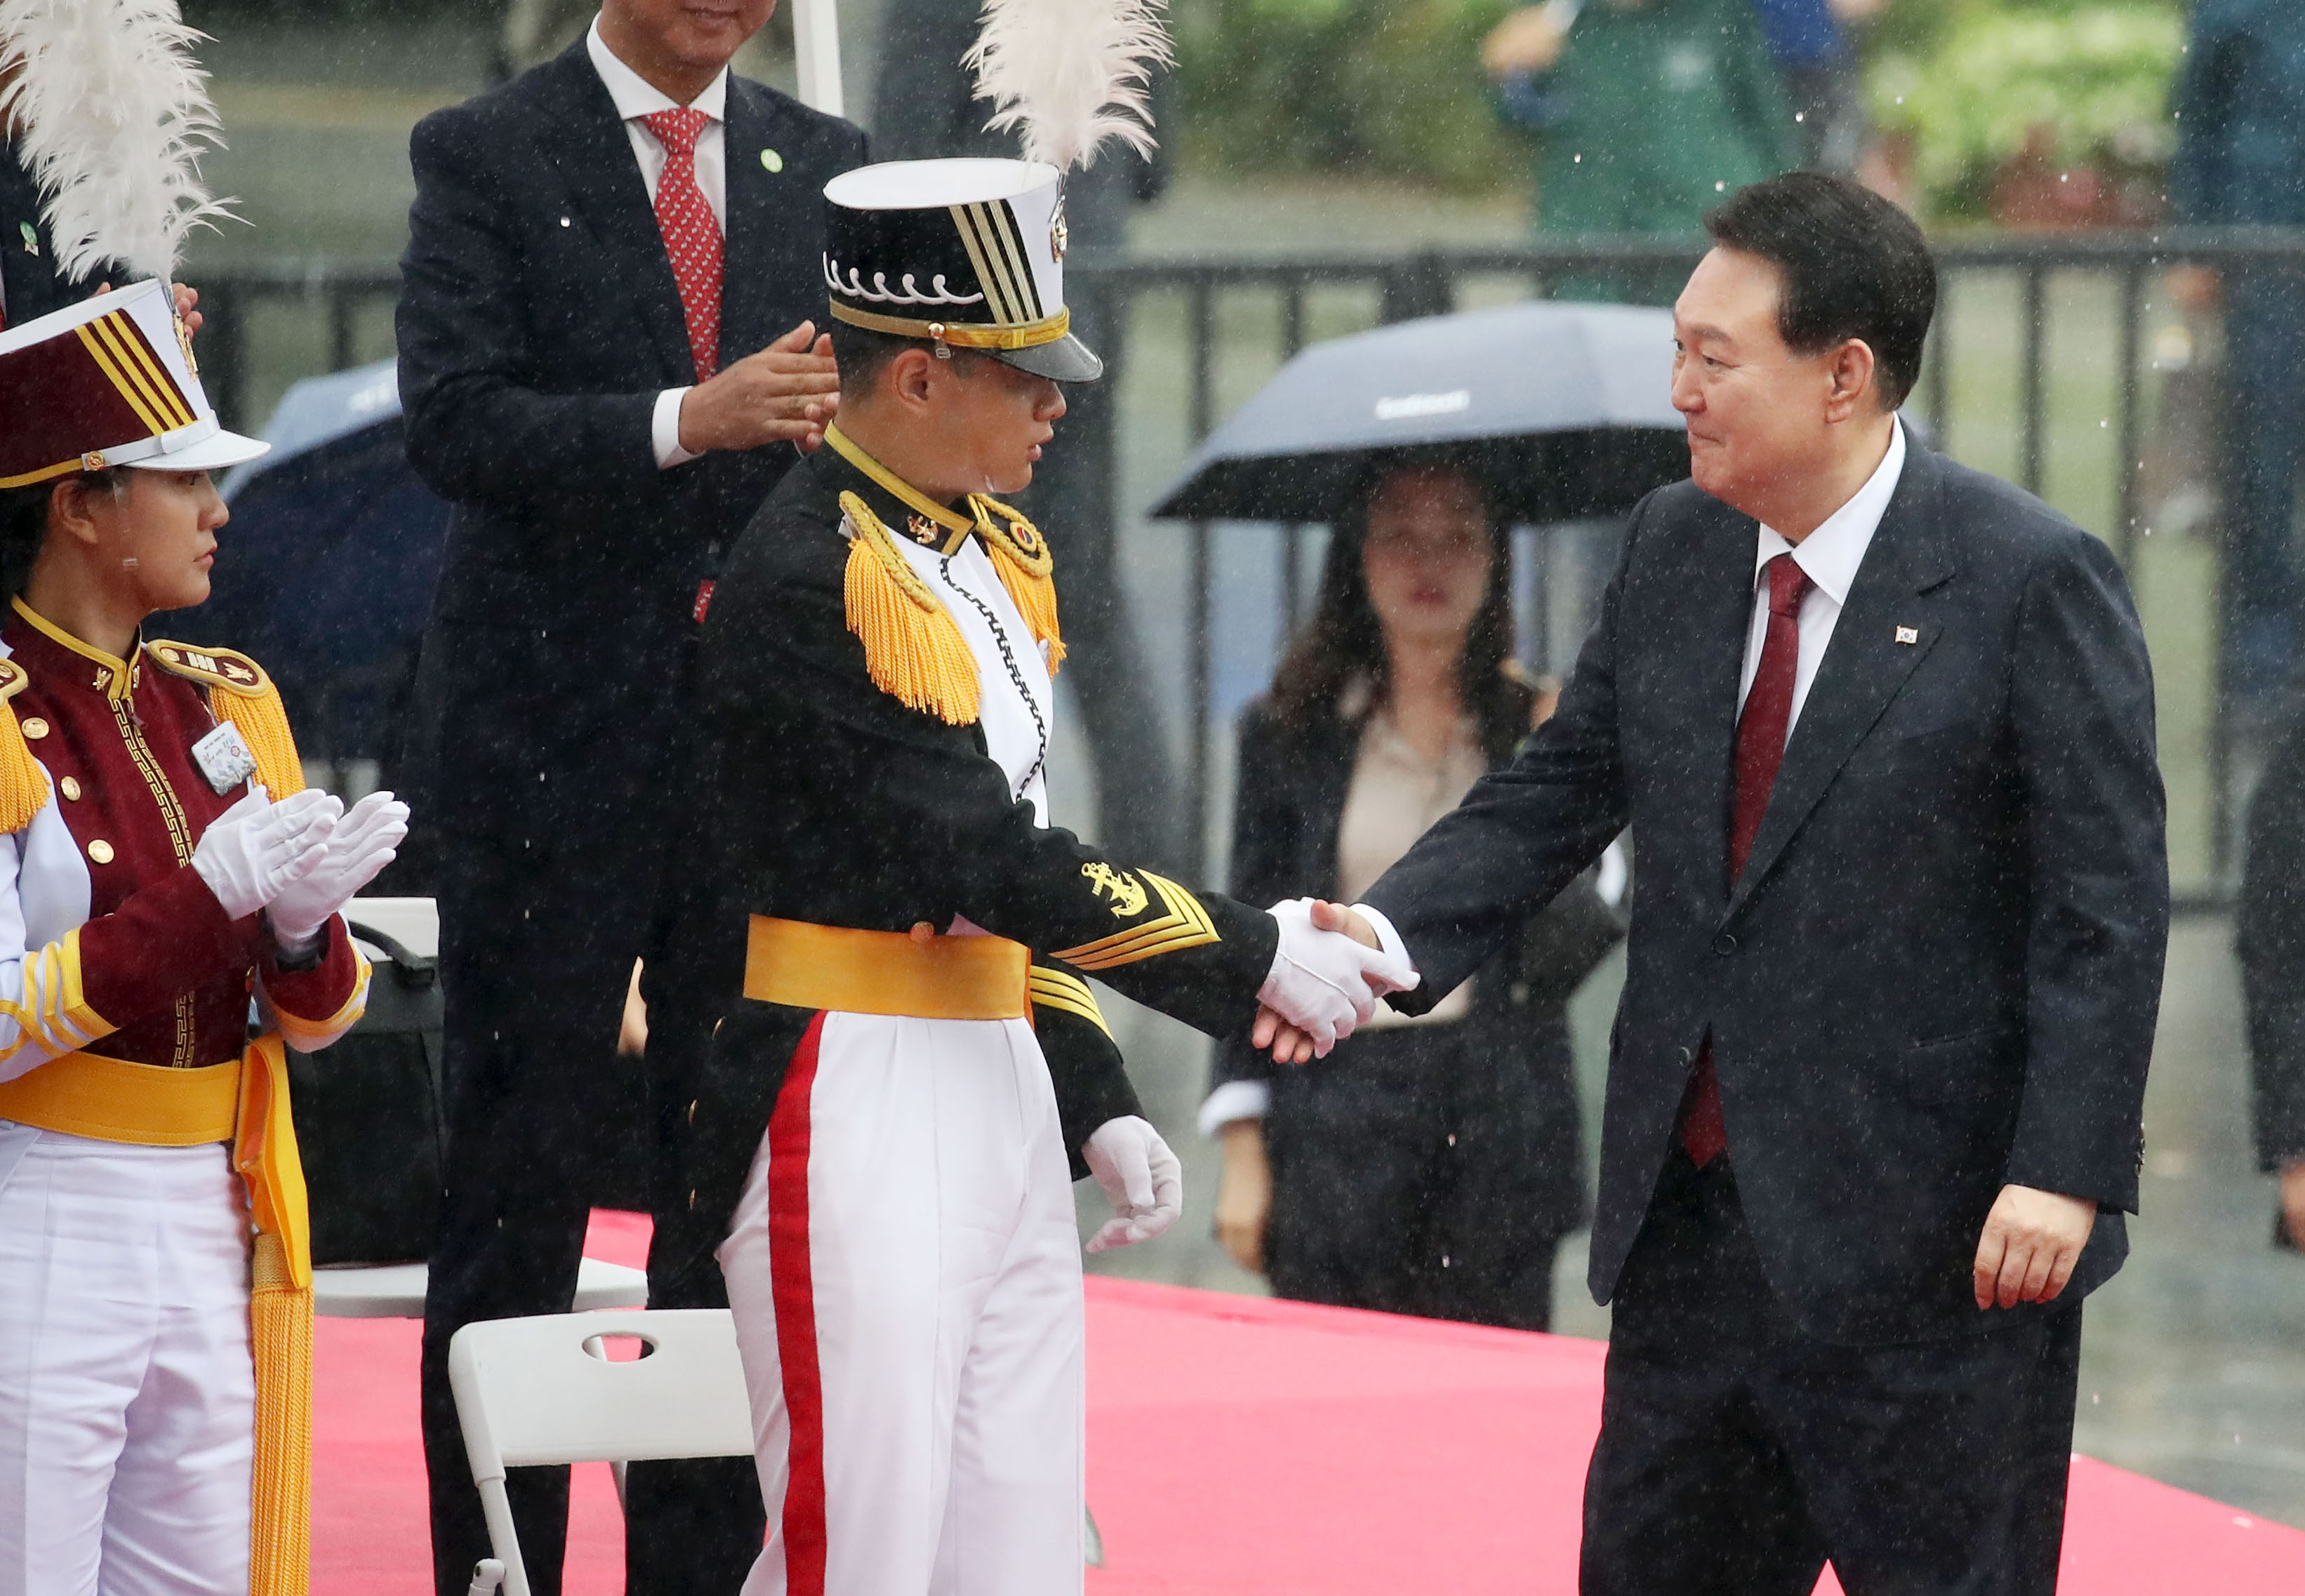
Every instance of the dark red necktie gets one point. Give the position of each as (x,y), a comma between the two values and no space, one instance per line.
(691,233)
(1760,749)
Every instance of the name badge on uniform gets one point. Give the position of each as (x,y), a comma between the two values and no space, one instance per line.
(223,757)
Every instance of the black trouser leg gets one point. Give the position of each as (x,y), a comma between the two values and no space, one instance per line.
(534,968)
(1690,1492)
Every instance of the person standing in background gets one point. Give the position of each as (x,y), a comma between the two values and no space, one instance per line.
(923,106)
(1427,1166)
(1808,40)
(1647,110)
(610,329)
(2269,938)
(2239,108)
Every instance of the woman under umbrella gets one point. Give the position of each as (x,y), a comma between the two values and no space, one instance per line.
(1428,1166)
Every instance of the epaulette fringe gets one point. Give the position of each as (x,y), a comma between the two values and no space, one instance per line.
(913,647)
(23,788)
(1020,554)
(240,692)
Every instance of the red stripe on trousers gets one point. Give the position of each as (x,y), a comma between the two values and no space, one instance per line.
(795,1292)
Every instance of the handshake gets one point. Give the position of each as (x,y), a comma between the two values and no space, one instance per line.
(300,859)
(1327,978)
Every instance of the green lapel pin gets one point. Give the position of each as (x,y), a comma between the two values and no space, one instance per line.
(31,238)
(772,160)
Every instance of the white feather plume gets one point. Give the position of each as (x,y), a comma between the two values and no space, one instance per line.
(1071,75)
(110,114)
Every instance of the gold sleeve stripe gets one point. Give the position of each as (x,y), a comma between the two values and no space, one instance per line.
(1184,925)
(1053,988)
(53,1017)
(307,1036)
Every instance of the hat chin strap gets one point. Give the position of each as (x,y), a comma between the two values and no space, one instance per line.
(147,452)
(961,335)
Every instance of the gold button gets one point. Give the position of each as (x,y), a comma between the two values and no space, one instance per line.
(100,850)
(70,786)
(35,727)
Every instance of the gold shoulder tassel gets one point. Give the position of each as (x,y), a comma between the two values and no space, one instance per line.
(23,789)
(263,722)
(1021,555)
(913,648)
(241,691)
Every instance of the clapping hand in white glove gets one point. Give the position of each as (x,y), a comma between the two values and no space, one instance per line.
(361,845)
(1323,982)
(253,850)
(1141,1178)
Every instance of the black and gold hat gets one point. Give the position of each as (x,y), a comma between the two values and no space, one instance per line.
(967,254)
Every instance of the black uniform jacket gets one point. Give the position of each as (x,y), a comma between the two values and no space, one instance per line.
(1292,794)
(828,801)
(2270,938)
(538,322)
(1939,970)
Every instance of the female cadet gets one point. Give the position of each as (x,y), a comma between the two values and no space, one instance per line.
(162,867)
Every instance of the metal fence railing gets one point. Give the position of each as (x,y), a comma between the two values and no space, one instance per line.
(2040,368)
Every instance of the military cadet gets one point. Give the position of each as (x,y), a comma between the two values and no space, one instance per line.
(161,866)
(881,1133)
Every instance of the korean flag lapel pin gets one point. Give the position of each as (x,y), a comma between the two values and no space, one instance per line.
(1909,634)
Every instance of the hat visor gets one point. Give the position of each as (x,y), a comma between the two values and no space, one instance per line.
(213,453)
(1067,360)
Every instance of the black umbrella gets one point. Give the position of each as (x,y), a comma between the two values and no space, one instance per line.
(1565,409)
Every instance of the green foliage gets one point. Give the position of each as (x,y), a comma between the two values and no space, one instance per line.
(1390,87)
(1973,83)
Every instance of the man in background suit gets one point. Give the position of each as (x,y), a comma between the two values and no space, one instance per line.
(1883,729)
(610,333)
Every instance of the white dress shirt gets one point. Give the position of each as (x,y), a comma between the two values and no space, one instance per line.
(1829,556)
(635,97)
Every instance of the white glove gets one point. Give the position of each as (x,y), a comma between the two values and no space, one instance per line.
(256,847)
(362,843)
(1141,1178)
(1323,982)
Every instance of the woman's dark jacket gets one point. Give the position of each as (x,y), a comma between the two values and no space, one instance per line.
(1292,787)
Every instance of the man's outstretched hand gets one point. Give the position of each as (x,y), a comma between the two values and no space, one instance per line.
(1313,999)
(787,392)
(2032,1240)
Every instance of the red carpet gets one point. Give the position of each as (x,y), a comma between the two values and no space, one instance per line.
(1240,1448)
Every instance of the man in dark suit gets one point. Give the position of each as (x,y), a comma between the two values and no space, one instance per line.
(609,334)
(1882,727)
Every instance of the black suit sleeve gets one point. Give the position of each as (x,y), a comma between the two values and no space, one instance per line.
(477,432)
(1523,833)
(1268,813)
(2081,709)
(2271,942)
(942,806)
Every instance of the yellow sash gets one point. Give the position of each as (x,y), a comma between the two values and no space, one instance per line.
(885,973)
(245,1102)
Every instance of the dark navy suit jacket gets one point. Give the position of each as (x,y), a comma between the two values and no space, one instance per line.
(538,322)
(1939,970)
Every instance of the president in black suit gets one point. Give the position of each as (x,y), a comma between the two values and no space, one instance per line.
(1882,727)
(609,342)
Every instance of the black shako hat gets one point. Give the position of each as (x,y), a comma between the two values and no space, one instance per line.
(962,253)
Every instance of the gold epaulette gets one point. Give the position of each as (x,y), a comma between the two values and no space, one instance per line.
(1020,554)
(23,789)
(240,692)
(913,647)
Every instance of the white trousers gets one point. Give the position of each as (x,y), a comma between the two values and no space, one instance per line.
(127,1388)
(904,1272)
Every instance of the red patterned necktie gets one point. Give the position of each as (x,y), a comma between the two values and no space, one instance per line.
(691,233)
(1761,732)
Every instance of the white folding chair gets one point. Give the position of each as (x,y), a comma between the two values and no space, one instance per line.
(536,1391)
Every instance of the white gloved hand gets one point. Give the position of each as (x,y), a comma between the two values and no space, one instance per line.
(1324,983)
(361,845)
(256,847)
(1141,1178)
